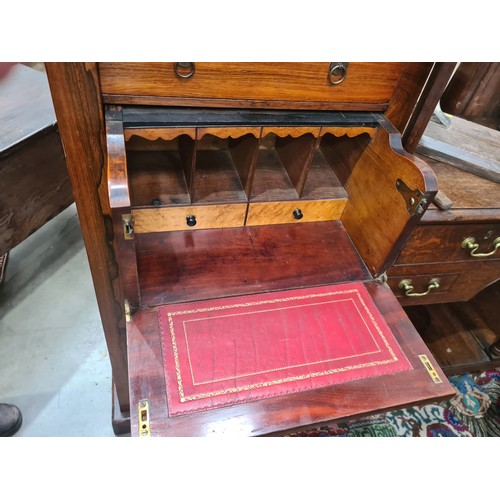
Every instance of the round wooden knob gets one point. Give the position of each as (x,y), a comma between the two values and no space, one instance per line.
(298,214)
(191,220)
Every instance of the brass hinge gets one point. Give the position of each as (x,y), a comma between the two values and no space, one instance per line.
(416,201)
(143,409)
(128,226)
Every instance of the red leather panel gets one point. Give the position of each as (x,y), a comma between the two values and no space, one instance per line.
(228,351)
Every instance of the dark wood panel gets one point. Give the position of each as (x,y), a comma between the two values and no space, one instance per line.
(443,243)
(474,93)
(34,186)
(426,104)
(75,93)
(281,414)
(461,281)
(195,265)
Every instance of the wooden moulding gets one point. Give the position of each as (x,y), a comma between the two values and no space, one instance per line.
(153,134)
(376,215)
(120,205)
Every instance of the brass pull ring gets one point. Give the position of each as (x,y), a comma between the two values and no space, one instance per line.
(470,244)
(408,287)
(337,72)
(184,69)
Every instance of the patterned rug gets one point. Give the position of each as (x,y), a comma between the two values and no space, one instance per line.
(474,411)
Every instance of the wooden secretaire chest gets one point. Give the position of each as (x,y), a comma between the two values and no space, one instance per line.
(251,211)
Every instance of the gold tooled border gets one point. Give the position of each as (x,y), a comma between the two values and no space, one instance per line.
(184,398)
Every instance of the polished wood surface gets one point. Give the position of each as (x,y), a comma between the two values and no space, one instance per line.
(376,217)
(365,84)
(460,281)
(282,212)
(407,93)
(76,96)
(284,413)
(194,265)
(34,181)
(442,243)
(474,93)
(431,94)
(153,134)
(156,220)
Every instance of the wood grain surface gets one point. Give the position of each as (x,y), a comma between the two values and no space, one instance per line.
(366,83)
(192,265)
(281,212)
(157,220)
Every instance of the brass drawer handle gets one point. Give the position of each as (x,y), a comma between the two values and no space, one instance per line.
(470,244)
(184,69)
(337,72)
(408,287)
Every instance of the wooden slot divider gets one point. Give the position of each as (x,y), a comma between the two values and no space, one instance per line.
(348,131)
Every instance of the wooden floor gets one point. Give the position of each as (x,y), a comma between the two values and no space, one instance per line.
(460,334)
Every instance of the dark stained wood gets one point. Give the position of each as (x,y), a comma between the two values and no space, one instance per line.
(283,413)
(195,265)
(442,243)
(426,104)
(454,347)
(156,175)
(135,117)
(366,83)
(34,186)
(376,216)
(460,215)
(75,93)
(474,93)
(407,92)
(134,100)
(34,181)
(460,281)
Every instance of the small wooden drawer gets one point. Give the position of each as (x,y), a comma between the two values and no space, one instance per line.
(156,220)
(452,243)
(288,212)
(366,86)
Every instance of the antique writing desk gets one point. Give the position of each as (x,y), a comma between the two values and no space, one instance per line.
(231,189)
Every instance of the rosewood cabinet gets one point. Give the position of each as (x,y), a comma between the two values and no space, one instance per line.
(233,187)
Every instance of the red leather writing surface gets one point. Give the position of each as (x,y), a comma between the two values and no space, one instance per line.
(228,351)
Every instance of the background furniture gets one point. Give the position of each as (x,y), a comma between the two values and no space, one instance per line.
(34,182)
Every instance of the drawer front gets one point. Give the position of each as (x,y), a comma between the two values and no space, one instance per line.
(415,288)
(289,212)
(156,220)
(458,281)
(445,243)
(365,83)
